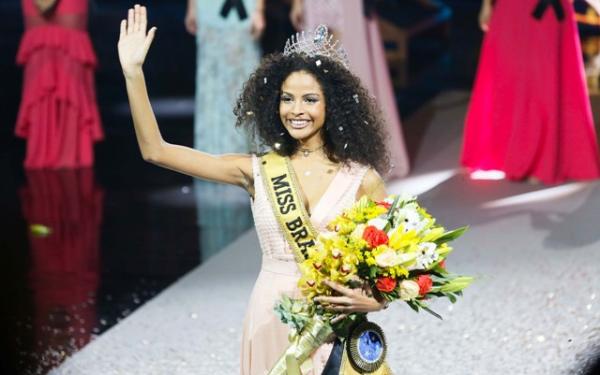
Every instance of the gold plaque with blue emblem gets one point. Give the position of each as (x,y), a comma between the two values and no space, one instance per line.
(366,347)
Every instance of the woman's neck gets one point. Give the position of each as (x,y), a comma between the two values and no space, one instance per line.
(312,146)
(313,142)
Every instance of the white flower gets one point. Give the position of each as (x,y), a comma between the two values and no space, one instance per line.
(410,217)
(387,259)
(409,290)
(378,223)
(357,233)
(426,255)
(390,258)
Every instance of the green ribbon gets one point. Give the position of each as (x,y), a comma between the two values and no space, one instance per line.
(302,345)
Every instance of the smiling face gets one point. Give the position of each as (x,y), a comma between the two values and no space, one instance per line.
(302,108)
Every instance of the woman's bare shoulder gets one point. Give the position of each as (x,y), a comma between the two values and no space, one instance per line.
(372,185)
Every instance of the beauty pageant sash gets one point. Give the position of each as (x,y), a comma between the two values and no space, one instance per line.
(283,193)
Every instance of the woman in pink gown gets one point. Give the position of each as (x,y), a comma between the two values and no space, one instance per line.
(315,115)
(58,114)
(530,114)
(359,34)
(265,337)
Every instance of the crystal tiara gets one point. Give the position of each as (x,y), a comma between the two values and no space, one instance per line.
(316,43)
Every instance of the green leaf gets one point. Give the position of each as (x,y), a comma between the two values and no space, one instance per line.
(343,327)
(413,305)
(451,236)
(294,312)
(456,284)
(390,214)
(373,272)
(451,297)
(432,312)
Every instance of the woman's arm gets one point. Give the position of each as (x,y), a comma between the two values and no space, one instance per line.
(133,46)
(372,186)
(258,21)
(190,17)
(594,4)
(297,14)
(485,14)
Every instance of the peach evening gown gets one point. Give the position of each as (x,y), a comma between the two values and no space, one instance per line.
(264,337)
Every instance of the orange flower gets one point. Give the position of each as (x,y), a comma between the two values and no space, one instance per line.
(375,237)
(386,284)
(425,284)
(384,204)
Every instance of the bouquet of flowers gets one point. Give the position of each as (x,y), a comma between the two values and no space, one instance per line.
(393,247)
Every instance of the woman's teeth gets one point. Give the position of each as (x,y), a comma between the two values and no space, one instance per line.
(299,123)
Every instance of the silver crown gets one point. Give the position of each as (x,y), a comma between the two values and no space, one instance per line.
(316,43)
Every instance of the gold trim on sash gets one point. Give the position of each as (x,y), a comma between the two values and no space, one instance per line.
(282,189)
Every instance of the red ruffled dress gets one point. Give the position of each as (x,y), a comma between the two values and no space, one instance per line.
(530,113)
(58,114)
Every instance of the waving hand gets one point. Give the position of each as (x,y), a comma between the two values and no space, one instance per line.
(134,42)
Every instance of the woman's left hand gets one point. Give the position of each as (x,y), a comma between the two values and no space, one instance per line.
(297,14)
(350,300)
(257,24)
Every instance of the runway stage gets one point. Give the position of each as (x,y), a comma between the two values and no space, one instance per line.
(534,309)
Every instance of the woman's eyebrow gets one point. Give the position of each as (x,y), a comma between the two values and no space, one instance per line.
(303,95)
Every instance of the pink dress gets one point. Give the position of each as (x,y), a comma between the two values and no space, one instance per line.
(264,337)
(530,113)
(361,38)
(58,114)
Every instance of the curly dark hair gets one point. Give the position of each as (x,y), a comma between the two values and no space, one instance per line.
(353,129)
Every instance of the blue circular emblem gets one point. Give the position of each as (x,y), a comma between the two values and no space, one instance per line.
(366,347)
(370,346)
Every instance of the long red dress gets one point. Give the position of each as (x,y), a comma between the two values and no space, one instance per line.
(530,114)
(58,114)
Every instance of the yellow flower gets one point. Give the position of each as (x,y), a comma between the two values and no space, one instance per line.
(363,210)
(433,234)
(401,240)
(309,282)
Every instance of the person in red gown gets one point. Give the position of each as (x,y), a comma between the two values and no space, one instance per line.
(530,115)
(58,114)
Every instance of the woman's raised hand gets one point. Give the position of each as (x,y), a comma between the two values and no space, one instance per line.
(133,40)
